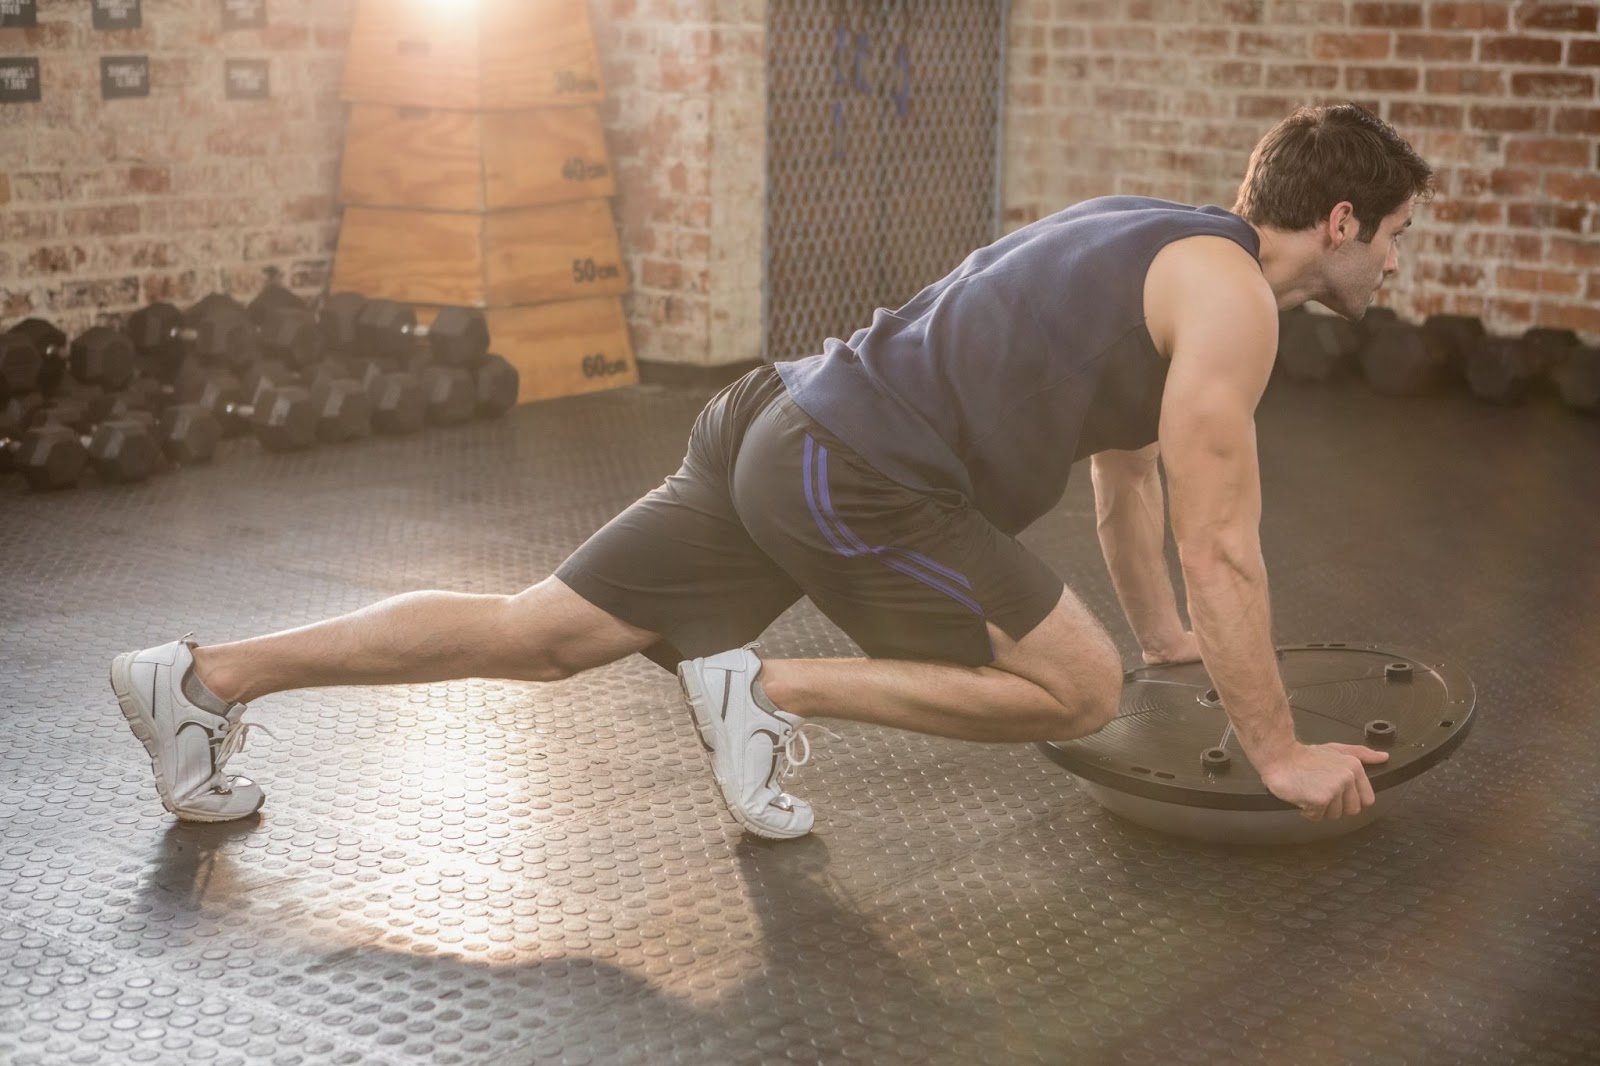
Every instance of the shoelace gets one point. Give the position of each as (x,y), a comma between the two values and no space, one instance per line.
(799,742)
(229,744)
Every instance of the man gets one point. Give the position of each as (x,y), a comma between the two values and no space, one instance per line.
(885,479)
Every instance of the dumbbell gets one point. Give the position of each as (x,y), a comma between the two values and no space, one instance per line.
(1577,377)
(216,329)
(53,455)
(1503,369)
(273,297)
(343,409)
(1316,347)
(281,418)
(387,330)
(97,356)
(1399,359)
(187,433)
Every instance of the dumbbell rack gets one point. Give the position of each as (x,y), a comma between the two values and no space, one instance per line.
(475,173)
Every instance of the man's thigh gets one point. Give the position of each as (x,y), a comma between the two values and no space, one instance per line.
(904,574)
(679,562)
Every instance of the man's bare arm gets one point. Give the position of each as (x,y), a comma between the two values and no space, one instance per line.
(1131,519)
(1221,323)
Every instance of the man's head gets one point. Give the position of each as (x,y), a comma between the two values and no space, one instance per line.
(1320,157)
(1342,179)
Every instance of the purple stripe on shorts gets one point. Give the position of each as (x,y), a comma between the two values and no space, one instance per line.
(847,543)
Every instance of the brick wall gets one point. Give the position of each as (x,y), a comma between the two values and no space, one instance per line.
(1166,98)
(108,204)
(686,121)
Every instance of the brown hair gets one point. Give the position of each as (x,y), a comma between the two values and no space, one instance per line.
(1320,156)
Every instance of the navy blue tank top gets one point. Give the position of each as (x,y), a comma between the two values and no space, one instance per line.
(1031,355)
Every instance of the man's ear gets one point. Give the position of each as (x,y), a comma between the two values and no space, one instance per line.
(1342,223)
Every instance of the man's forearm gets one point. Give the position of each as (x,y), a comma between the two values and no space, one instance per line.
(1230,609)
(1131,522)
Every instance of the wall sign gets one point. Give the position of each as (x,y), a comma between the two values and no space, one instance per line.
(117,14)
(20,13)
(248,79)
(19,79)
(244,14)
(124,77)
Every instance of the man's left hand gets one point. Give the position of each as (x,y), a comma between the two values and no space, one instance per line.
(1186,649)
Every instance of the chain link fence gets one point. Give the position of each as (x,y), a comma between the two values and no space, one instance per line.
(883,156)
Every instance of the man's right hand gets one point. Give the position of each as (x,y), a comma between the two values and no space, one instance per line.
(1324,780)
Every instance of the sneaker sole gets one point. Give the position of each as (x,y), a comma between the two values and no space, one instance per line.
(700,711)
(122,685)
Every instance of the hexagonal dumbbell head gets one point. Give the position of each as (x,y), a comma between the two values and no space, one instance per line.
(293,336)
(451,393)
(387,331)
(20,364)
(123,451)
(189,434)
(284,419)
(51,457)
(339,320)
(497,383)
(459,336)
(273,297)
(223,332)
(154,328)
(398,402)
(343,411)
(1315,347)
(102,356)
(1577,377)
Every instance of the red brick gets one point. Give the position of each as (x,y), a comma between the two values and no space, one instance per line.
(1404,113)
(1515,312)
(1517,279)
(1558,86)
(1547,151)
(1274,45)
(1123,39)
(1485,213)
(1581,317)
(1526,279)
(1467,16)
(1195,42)
(1508,119)
(1459,275)
(1381,79)
(1521,50)
(101,221)
(1583,54)
(5,189)
(1577,120)
(1573,188)
(1573,18)
(1517,246)
(56,259)
(1229,12)
(1303,76)
(1574,251)
(1433,46)
(1309,12)
(1547,216)
(1466,81)
(1350,46)
(1507,182)
(1593,290)
(1398,16)
(1266,107)
(1231,75)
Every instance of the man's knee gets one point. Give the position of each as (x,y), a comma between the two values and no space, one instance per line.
(1095,695)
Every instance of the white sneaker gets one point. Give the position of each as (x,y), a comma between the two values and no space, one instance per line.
(188,746)
(752,749)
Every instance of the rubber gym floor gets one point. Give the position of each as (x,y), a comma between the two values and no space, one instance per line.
(485,872)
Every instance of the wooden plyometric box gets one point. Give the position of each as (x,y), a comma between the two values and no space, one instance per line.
(495,259)
(562,349)
(483,55)
(471,160)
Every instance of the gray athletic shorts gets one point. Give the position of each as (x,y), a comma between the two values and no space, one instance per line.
(768,507)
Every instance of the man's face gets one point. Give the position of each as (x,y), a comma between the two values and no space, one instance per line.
(1357,269)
